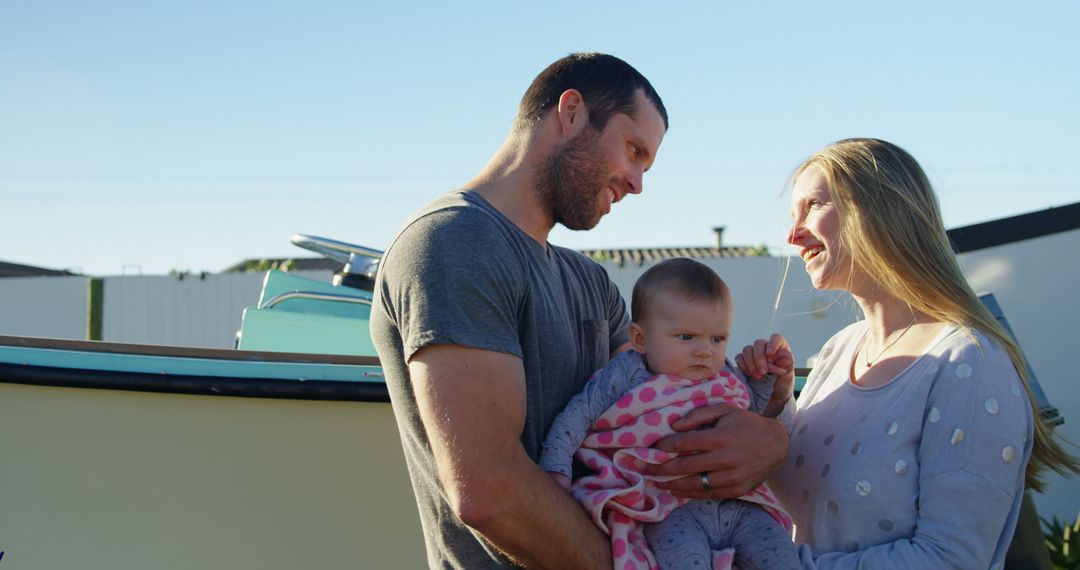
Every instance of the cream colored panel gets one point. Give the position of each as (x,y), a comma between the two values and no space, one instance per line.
(103,479)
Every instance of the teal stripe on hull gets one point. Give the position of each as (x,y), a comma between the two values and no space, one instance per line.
(187,366)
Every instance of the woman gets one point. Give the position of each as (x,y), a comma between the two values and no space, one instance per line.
(910,444)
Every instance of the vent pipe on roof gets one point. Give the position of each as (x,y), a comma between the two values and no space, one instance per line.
(719,236)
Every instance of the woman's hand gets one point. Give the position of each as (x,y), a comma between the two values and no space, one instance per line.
(772,356)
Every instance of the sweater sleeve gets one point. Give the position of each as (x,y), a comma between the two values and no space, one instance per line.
(760,390)
(976,441)
(787,415)
(601,392)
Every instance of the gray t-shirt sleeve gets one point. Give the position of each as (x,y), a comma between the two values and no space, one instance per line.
(438,291)
(603,389)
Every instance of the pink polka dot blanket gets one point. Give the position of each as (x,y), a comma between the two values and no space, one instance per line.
(618,496)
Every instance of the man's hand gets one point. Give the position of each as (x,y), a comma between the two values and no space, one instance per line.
(736,449)
(561,479)
(772,356)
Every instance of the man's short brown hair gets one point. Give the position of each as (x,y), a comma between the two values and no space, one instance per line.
(607,85)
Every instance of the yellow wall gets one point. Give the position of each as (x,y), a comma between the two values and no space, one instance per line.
(104,479)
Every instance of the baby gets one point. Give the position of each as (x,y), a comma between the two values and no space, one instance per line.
(682,315)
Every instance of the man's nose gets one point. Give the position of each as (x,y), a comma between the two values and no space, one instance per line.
(634,181)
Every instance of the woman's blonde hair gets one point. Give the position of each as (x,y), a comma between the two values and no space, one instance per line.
(891,227)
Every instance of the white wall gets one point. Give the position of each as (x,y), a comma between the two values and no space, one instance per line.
(807,317)
(1035,282)
(181,312)
(44,306)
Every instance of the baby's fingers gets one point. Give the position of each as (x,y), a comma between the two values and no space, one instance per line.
(748,363)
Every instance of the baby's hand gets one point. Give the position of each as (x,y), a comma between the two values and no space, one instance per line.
(561,479)
(772,356)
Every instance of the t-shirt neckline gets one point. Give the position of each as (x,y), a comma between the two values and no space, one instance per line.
(947,330)
(544,251)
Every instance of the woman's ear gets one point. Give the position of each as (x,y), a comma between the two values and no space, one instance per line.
(637,338)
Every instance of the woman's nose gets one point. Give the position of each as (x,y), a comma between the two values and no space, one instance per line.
(796,233)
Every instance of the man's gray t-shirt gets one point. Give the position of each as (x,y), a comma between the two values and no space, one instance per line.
(462,273)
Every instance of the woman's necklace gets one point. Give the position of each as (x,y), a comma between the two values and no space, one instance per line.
(870,361)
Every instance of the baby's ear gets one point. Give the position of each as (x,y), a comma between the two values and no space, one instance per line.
(637,338)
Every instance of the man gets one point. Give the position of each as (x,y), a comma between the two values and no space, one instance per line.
(485,330)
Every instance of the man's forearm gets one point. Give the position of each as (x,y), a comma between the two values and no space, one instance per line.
(474,427)
(538,524)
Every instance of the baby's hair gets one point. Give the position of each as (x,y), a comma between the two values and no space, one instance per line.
(691,280)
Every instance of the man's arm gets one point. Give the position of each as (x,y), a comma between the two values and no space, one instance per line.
(472,403)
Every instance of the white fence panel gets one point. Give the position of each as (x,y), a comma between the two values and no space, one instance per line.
(44,306)
(193,311)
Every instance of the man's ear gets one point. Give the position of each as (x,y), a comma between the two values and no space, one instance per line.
(637,338)
(572,112)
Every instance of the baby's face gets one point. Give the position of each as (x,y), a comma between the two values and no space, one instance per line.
(683,338)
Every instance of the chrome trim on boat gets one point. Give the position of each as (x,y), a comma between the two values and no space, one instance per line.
(336,250)
(316,296)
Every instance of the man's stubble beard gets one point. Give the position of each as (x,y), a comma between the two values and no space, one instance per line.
(571,182)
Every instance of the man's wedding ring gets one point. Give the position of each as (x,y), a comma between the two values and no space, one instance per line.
(705,481)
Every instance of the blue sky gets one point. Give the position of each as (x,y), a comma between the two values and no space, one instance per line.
(192,135)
